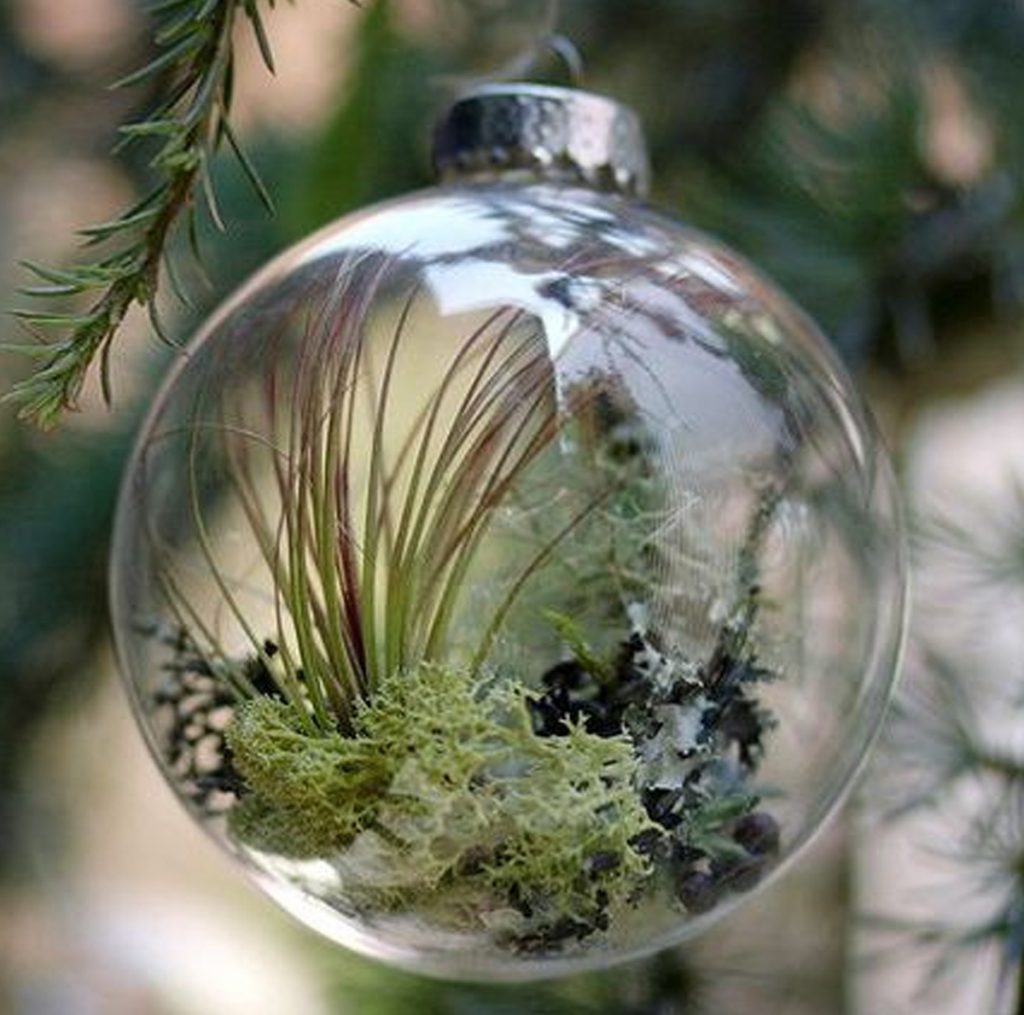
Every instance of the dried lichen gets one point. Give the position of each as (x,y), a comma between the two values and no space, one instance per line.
(308,793)
(444,786)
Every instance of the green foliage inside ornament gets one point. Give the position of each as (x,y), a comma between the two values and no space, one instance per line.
(388,728)
(444,786)
(310,793)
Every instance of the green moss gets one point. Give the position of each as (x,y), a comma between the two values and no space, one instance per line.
(445,793)
(307,793)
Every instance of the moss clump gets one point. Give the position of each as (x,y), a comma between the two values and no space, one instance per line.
(444,791)
(308,793)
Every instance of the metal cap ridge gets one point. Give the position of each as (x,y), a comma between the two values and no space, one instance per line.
(543,132)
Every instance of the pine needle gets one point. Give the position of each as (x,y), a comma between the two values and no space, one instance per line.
(195,40)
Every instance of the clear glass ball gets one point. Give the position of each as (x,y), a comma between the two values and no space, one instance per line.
(510,579)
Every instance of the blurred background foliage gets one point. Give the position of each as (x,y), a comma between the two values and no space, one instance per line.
(869,154)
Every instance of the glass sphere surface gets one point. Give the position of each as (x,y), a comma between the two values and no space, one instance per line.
(510,578)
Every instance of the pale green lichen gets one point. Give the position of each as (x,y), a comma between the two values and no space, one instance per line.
(308,792)
(444,790)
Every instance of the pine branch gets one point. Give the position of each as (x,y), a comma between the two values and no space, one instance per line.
(194,66)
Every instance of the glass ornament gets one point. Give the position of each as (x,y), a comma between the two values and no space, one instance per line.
(509,577)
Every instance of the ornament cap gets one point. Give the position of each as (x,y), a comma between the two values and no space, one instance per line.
(543,132)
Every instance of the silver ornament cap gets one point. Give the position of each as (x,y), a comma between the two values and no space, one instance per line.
(543,132)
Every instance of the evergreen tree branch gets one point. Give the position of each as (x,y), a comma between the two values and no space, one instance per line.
(194,66)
